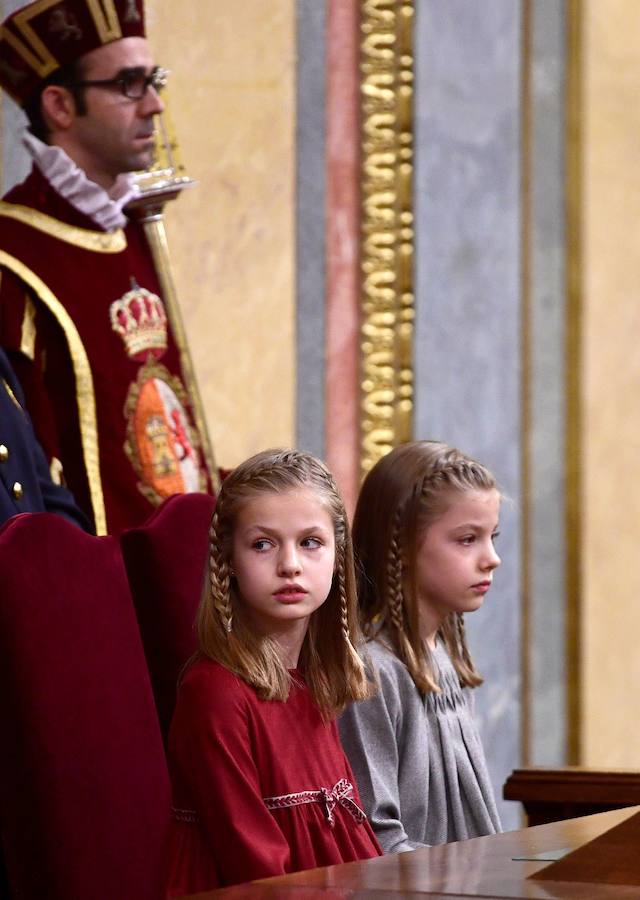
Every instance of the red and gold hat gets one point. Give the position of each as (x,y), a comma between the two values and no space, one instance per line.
(46,34)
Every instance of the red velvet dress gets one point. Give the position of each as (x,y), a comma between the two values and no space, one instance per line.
(229,751)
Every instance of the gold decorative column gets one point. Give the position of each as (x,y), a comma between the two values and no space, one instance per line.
(386,66)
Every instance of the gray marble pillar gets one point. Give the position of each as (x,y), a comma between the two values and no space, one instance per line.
(310,224)
(15,162)
(548,740)
(468,328)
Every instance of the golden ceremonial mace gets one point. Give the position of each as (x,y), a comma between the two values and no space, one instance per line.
(163,181)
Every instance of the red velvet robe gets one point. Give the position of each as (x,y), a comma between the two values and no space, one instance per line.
(228,750)
(82,315)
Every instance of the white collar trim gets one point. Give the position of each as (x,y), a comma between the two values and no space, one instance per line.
(71,182)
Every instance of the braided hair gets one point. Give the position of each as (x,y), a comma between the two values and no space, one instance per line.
(402,495)
(333,669)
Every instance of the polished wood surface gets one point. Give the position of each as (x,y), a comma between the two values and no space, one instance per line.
(611,858)
(492,867)
(550,795)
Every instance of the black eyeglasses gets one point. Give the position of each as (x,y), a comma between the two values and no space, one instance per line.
(133,83)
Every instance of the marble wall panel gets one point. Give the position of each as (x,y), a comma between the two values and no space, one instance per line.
(467,343)
(310,225)
(610,385)
(545,385)
(14,160)
(232,237)
(343,295)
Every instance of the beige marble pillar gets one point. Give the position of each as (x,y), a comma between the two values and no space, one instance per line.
(610,384)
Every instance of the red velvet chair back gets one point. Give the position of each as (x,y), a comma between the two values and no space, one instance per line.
(165,560)
(84,789)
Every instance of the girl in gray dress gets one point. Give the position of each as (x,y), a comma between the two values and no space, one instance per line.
(424,532)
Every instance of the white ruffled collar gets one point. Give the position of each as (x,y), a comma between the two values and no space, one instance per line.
(105,208)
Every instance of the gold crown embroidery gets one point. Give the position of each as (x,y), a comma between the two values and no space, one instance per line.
(141,321)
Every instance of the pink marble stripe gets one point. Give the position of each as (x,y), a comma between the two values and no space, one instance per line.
(343,243)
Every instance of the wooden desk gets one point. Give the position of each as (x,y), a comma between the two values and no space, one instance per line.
(483,867)
(550,795)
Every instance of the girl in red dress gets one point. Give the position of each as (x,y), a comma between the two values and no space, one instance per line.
(261,784)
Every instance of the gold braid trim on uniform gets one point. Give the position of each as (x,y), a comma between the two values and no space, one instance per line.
(11,395)
(28,330)
(96,241)
(55,470)
(85,394)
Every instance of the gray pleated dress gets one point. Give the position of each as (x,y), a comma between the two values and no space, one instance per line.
(418,763)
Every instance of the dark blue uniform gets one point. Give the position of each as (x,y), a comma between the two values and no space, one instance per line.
(25,482)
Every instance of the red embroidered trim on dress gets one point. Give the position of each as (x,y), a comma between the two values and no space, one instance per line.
(340,793)
(184,815)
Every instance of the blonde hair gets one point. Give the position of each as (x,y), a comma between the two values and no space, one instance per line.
(402,495)
(334,672)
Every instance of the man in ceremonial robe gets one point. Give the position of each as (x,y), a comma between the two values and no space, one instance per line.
(81,308)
